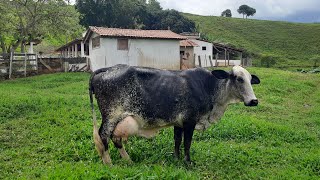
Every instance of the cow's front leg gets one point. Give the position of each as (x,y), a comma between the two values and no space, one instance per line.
(188,133)
(177,140)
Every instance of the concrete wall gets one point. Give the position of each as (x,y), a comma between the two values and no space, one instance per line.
(157,53)
(204,54)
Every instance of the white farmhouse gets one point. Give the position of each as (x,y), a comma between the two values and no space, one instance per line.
(149,48)
(204,50)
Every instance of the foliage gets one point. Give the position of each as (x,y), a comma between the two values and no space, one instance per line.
(34,20)
(246,10)
(316,60)
(131,14)
(226,13)
(173,20)
(294,43)
(46,133)
(268,60)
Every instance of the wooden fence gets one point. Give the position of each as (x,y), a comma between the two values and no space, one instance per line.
(207,61)
(13,65)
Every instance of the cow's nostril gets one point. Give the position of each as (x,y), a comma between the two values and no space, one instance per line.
(254,102)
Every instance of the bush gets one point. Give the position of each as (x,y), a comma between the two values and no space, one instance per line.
(316,60)
(268,60)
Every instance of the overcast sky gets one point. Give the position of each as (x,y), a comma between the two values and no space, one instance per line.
(289,10)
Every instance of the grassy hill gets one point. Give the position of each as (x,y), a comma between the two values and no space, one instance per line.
(290,43)
(46,133)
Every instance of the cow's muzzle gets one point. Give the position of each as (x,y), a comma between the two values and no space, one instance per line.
(253,102)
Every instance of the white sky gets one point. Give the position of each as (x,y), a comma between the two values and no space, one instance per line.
(266,9)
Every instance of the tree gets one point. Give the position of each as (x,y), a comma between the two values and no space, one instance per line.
(246,10)
(112,13)
(226,13)
(33,19)
(173,20)
(135,14)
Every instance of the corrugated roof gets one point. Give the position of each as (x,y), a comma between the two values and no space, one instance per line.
(136,33)
(75,41)
(188,43)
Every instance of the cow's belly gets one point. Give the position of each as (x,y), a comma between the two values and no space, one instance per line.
(131,126)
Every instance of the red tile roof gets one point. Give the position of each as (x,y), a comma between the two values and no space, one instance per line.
(188,43)
(136,33)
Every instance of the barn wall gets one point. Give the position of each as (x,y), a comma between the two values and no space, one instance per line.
(157,53)
(204,54)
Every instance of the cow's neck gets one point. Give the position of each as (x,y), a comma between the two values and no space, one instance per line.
(221,99)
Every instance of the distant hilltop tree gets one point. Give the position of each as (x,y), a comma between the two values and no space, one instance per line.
(246,10)
(226,13)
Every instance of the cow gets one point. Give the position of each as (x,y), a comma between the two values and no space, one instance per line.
(140,101)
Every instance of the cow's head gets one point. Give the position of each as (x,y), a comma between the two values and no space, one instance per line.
(239,85)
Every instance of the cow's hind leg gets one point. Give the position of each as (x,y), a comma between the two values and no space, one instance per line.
(117,141)
(106,132)
(103,149)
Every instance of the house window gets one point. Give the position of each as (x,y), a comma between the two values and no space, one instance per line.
(123,44)
(96,42)
(204,48)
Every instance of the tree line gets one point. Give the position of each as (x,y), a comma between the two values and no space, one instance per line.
(25,21)
(135,14)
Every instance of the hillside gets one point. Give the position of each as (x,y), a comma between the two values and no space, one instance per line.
(46,133)
(290,43)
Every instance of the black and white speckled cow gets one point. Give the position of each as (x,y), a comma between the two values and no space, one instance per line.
(141,101)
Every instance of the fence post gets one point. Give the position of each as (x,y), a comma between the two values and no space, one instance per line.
(25,64)
(210,61)
(216,64)
(205,61)
(228,58)
(241,60)
(225,57)
(199,59)
(10,66)
(37,63)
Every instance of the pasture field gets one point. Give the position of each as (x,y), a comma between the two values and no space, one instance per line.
(291,44)
(46,133)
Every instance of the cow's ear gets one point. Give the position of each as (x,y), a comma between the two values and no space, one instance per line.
(220,74)
(255,79)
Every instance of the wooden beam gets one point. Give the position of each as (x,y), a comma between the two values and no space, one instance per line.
(46,65)
(10,65)
(25,65)
(210,61)
(225,57)
(228,58)
(216,64)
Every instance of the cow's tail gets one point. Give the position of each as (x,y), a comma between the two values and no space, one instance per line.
(96,137)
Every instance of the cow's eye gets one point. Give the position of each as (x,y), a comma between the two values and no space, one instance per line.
(240,80)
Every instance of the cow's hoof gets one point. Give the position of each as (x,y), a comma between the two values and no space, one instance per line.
(190,163)
(176,156)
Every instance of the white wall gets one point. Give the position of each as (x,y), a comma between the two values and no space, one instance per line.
(204,54)
(157,53)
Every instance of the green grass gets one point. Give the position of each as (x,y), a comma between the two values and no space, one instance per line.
(291,43)
(46,133)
